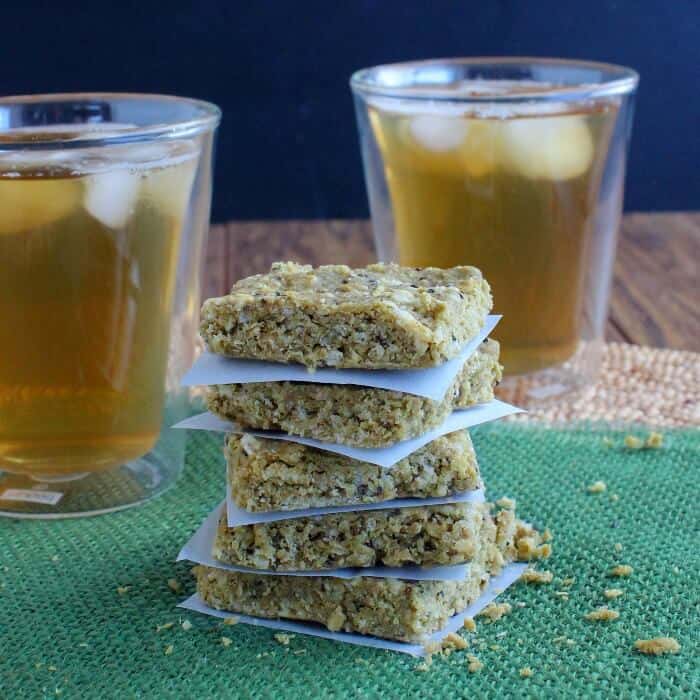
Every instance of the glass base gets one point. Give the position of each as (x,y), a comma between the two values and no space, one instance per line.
(554,383)
(75,495)
(45,497)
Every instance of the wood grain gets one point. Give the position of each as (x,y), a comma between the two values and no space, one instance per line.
(655,294)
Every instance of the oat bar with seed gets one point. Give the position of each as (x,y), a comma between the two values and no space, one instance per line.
(418,536)
(267,475)
(408,611)
(383,316)
(354,415)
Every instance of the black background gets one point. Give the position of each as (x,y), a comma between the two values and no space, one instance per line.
(287,145)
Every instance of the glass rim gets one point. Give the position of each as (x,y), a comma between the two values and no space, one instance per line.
(622,81)
(206,117)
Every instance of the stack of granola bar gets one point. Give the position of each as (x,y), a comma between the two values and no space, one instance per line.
(383,317)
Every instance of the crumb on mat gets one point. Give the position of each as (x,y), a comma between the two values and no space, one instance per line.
(597,487)
(469,624)
(533,576)
(455,641)
(657,646)
(425,665)
(612,593)
(473,664)
(495,611)
(602,615)
(654,441)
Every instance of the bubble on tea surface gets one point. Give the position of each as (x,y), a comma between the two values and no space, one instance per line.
(32,203)
(438,133)
(552,148)
(111,196)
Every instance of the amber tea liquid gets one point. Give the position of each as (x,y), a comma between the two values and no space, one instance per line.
(511,192)
(88,254)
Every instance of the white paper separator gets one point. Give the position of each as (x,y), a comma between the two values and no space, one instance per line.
(238,516)
(383,456)
(508,576)
(430,382)
(199,551)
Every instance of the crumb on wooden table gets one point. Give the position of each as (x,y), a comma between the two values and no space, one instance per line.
(657,646)
(533,576)
(597,487)
(495,611)
(602,615)
(621,571)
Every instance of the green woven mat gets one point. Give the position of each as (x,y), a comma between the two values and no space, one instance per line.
(65,629)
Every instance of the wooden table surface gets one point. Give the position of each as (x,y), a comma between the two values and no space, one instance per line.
(655,296)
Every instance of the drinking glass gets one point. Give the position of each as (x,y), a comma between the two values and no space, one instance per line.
(515,166)
(104,210)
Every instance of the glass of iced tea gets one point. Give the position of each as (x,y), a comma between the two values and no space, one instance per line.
(104,209)
(515,166)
